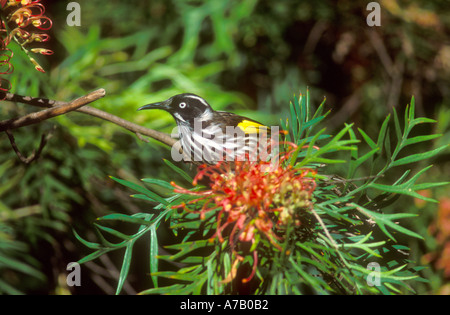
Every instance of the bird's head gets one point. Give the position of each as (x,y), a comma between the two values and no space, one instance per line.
(183,107)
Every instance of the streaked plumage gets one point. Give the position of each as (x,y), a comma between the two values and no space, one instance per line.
(210,136)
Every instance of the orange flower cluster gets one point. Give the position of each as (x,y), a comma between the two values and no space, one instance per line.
(254,197)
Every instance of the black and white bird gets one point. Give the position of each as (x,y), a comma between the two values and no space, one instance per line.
(210,136)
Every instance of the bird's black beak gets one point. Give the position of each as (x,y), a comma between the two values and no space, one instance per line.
(165,105)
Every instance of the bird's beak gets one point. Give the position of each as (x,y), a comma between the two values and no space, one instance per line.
(165,105)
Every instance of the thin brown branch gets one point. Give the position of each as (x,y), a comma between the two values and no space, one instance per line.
(35,154)
(42,115)
(157,135)
(381,50)
(137,129)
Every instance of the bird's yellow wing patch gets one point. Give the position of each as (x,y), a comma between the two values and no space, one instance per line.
(249,126)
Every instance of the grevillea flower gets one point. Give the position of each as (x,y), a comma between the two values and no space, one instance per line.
(253,198)
(23,19)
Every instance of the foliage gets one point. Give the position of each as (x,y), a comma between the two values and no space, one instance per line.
(326,247)
(241,56)
(13,253)
(39,203)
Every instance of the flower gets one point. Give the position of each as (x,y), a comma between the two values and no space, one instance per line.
(23,17)
(253,198)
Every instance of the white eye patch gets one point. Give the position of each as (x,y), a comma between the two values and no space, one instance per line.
(182,105)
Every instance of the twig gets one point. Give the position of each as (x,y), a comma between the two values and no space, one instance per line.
(35,154)
(327,233)
(42,115)
(157,135)
(314,37)
(380,48)
(137,129)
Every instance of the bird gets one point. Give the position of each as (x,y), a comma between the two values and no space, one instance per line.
(210,136)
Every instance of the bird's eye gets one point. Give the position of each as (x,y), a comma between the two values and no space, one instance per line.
(182,105)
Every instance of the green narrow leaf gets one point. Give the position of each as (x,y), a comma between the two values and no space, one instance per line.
(94,255)
(363,158)
(179,171)
(311,123)
(369,141)
(398,130)
(387,146)
(159,182)
(423,186)
(124,218)
(418,156)
(294,122)
(407,121)
(147,198)
(88,244)
(9,289)
(407,188)
(164,290)
(125,267)
(113,232)
(384,220)
(20,267)
(421,120)
(307,106)
(412,109)
(285,126)
(383,130)
(420,139)
(141,189)
(351,133)
(153,255)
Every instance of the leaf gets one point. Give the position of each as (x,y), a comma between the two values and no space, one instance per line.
(124,218)
(363,158)
(179,171)
(418,156)
(20,267)
(154,255)
(407,188)
(159,182)
(398,130)
(185,248)
(384,220)
(113,232)
(139,188)
(295,119)
(420,139)
(125,267)
(368,140)
(420,120)
(88,244)
(94,255)
(361,244)
(171,289)
(383,130)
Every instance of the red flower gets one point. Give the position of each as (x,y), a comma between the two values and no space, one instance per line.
(23,17)
(253,197)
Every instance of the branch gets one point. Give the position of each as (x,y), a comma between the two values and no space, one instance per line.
(42,115)
(137,129)
(35,154)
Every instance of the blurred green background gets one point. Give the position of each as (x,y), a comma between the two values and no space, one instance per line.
(249,57)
